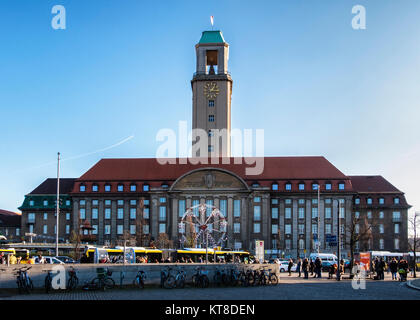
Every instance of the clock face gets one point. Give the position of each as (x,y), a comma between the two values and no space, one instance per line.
(211,90)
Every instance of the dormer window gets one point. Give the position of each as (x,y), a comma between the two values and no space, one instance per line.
(31,203)
(145,187)
(107,188)
(328,186)
(288,186)
(275,186)
(95,188)
(341,186)
(315,186)
(369,200)
(255,185)
(165,186)
(133,187)
(357,201)
(396,200)
(301,186)
(120,188)
(45,203)
(82,188)
(381,201)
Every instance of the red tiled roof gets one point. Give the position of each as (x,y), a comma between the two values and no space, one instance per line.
(372,184)
(283,168)
(49,186)
(10,219)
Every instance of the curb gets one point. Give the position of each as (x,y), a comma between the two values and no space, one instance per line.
(410,285)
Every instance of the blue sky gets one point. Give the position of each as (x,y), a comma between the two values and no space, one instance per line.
(123,68)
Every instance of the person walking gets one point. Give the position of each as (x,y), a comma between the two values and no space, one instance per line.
(393,266)
(298,267)
(305,268)
(312,267)
(318,268)
(289,267)
(332,271)
(382,267)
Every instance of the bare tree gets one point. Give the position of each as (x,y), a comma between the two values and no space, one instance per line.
(359,231)
(164,241)
(415,241)
(75,238)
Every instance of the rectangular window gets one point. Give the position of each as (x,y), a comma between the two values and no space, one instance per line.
(236,227)
(236,208)
(209,209)
(356,228)
(181,208)
(31,203)
(146,213)
(211,118)
(162,200)
(133,187)
(31,217)
(82,203)
(46,203)
(288,186)
(314,213)
(397,228)
(301,228)
(314,202)
(342,229)
(95,213)
(328,201)
(357,214)
(162,213)
(95,202)
(120,202)
(257,199)
(288,201)
(342,212)
(133,202)
(107,213)
(288,213)
(82,213)
(396,200)
(133,229)
(381,244)
(195,204)
(369,200)
(45,229)
(222,207)
(274,228)
(381,201)
(301,201)
(288,243)
(328,228)
(341,186)
(369,215)
(314,229)
(120,229)
(257,213)
(381,215)
(396,244)
(146,187)
(211,103)
(31,228)
(45,216)
(107,202)
(120,188)
(301,211)
(238,245)
(328,186)
(274,201)
(107,188)
(95,229)
(357,201)
(327,213)
(146,229)
(381,228)
(120,213)
(288,229)
(133,213)
(315,186)
(396,216)
(162,228)
(67,229)
(18,231)
(257,228)
(274,213)
(301,186)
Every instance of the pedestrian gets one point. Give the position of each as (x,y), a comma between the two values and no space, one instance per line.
(393,266)
(311,267)
(305,268)
(382,267)
(318,267)
(289,267)
(2,258)
(299,264)
(332,271)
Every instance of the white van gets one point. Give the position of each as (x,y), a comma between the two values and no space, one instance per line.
(327,259)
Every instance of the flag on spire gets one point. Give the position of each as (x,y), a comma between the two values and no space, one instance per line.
(212,20)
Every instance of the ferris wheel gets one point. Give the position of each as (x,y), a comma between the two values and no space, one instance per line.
(204,224)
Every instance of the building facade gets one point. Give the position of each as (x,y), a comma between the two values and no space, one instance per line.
(294,204)
(10,225)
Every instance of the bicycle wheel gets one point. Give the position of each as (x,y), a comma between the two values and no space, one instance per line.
(194,280)
(138,283)
(30,285)
(19,285)
(273,279)
(109,283)
(180,283)
(72,283)
(97,284)
(169,282)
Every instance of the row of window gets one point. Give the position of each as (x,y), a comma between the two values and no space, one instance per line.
(31,216)
(6,232)
(209,202)
(107,229)
(381,200)
(120,213)
(120,202)
(303,201)
(302,185)
(46,203)
(301,244)
(120,187)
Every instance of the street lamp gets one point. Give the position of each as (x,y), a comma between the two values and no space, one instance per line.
(57,204)
(338,241)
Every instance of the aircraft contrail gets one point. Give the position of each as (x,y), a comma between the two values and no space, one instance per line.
(81,155)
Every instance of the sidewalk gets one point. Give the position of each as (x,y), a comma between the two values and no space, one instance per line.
(415,284)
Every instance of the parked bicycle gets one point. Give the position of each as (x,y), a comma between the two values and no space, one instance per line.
(73,280)
(138,282)
(167,280)
(23,281)
(103,280)
(200,278)
(180,279)
(48,281)
(269,277)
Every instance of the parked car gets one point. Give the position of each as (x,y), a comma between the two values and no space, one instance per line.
(65,259)
(284,265)
(49,260)
(327,259)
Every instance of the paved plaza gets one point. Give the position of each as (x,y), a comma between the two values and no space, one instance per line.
(289,288)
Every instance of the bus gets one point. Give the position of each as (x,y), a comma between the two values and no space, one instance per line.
(213,255)
(133,254)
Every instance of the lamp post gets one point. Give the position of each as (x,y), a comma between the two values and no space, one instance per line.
(57,203)
(319,239)
(338,242)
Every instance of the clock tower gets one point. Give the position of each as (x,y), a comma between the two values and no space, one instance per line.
(212,90)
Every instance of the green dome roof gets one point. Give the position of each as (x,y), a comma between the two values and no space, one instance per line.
(212,37)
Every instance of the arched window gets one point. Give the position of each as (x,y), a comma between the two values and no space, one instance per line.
(275,186)
(82,188)
(288,186)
